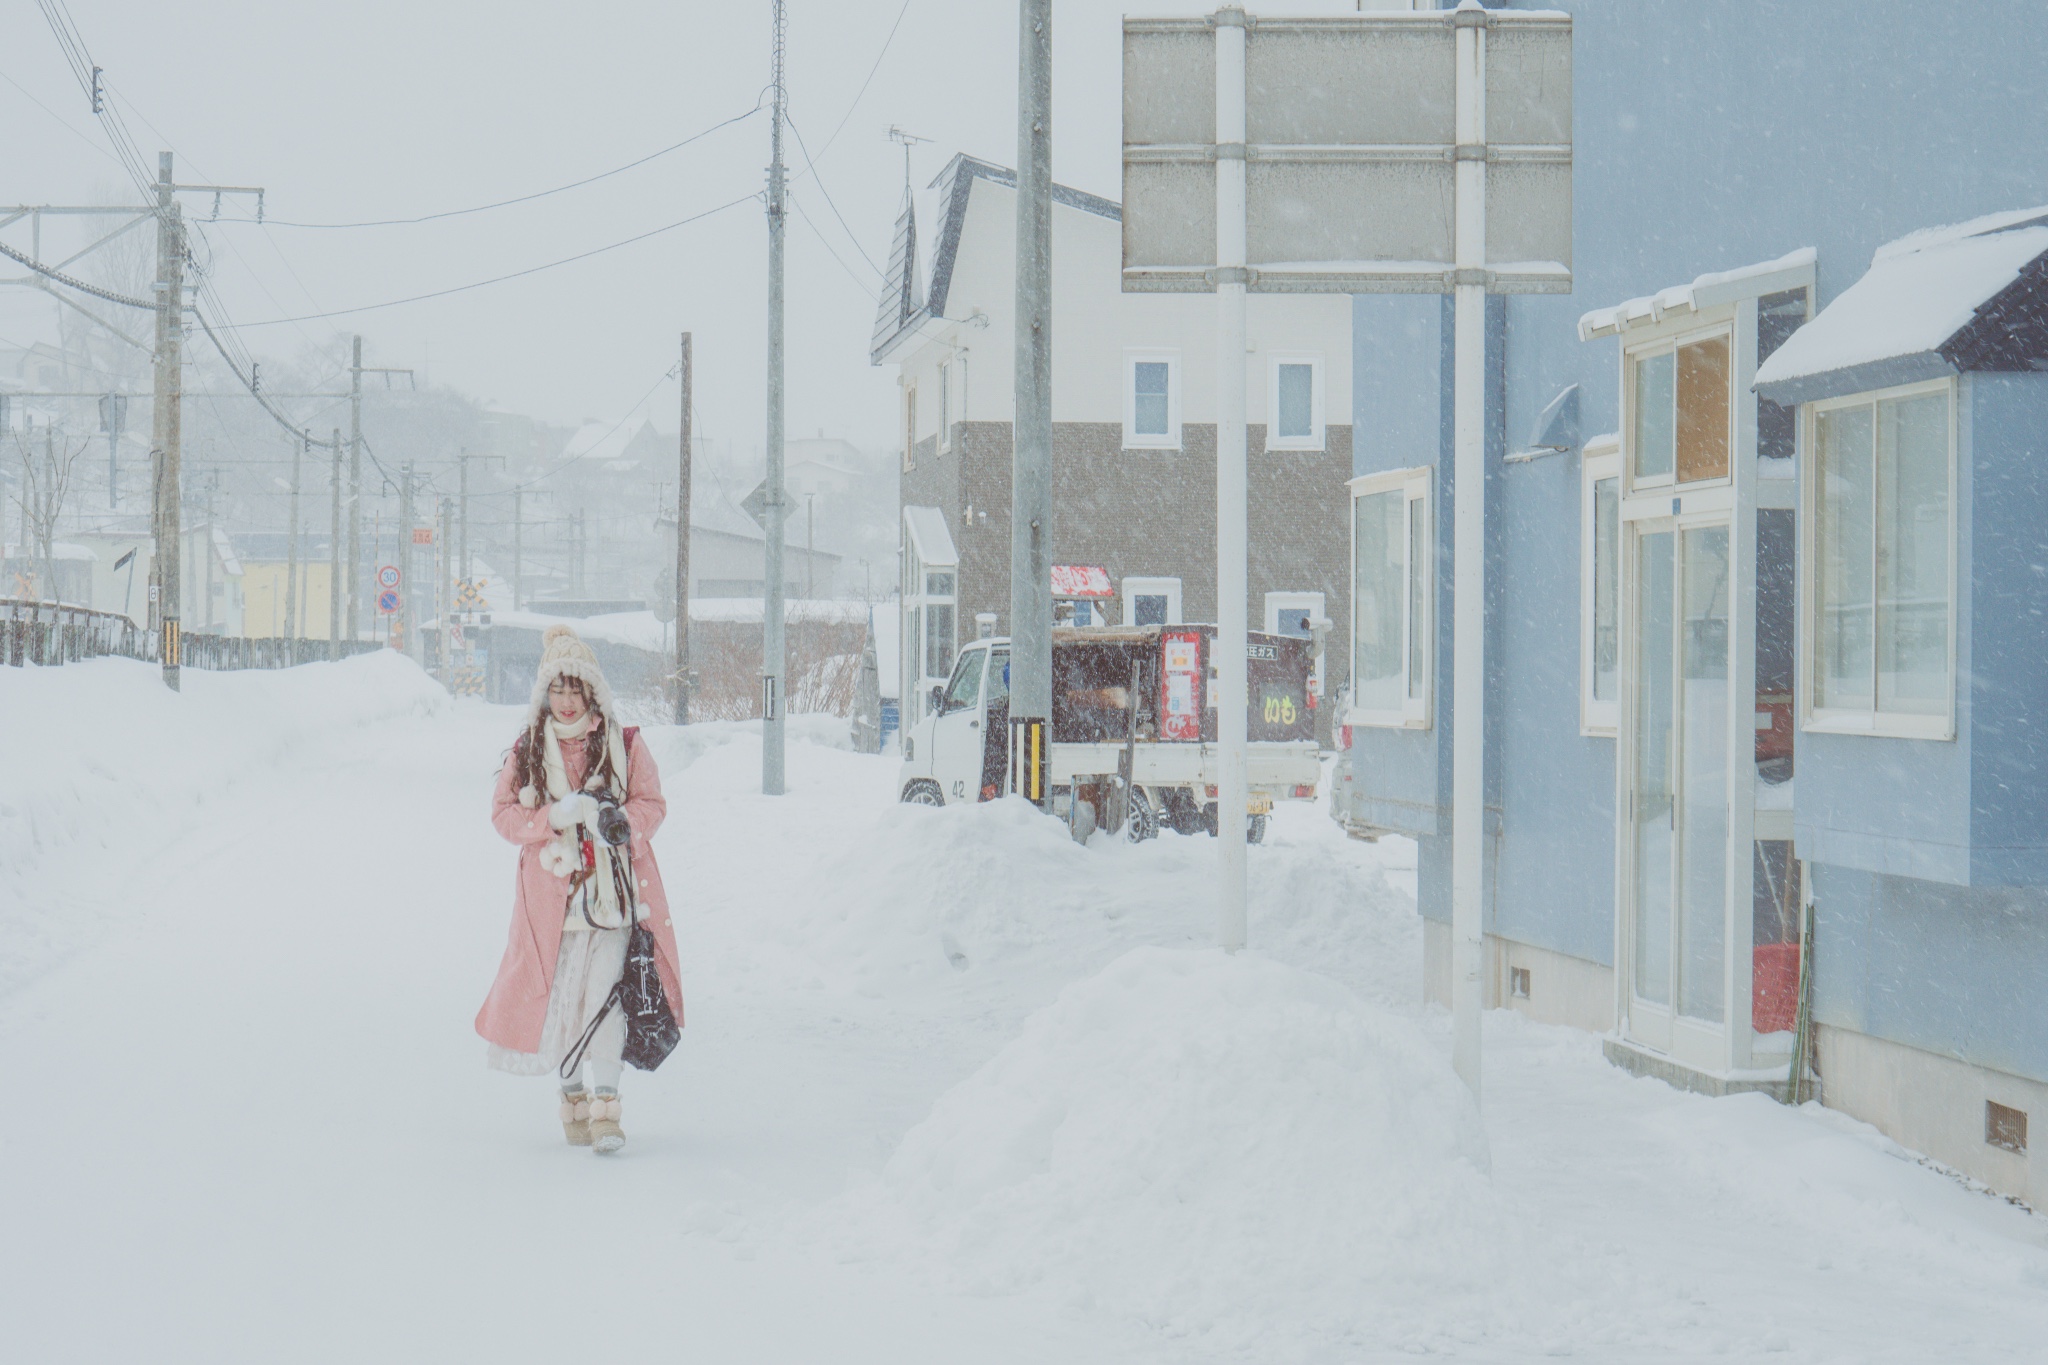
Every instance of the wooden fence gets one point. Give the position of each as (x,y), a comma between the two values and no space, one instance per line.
(50,633)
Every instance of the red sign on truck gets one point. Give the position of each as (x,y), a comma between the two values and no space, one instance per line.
(1180,684)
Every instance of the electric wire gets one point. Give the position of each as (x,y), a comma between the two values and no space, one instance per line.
(61,278)
(879,272)
(864,84)
(500,279)
(520,199)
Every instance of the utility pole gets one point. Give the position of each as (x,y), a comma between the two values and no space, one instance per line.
(1232,506)
(408,587)
(774,652)
(1031,462)
(114,416)
(334,584)
(206,552)
(300,448)
(811,545)
(444,598)
(683,455)
(354,576)
(518,548)
(166,437)
(462,487)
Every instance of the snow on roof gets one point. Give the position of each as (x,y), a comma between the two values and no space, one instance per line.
(603,442)
(1789,271)
(1920,292)
(225,548)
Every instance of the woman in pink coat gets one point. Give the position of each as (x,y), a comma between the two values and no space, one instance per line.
(570,932)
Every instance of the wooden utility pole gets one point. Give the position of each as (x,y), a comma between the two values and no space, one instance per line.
(518,552)
(166,434)
(682,593)
(445,589)
(352,575)
(291,562)
(334,578)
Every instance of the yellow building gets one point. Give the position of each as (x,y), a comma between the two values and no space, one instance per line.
(264,596)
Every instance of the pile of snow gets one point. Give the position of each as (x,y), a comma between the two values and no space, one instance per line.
(1215,1144)
(95,754)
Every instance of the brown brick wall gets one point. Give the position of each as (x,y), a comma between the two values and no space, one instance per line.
(1150,513)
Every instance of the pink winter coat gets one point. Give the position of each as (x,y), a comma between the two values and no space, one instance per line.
(517,1006)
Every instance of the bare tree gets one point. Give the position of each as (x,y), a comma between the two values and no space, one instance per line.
(40,493)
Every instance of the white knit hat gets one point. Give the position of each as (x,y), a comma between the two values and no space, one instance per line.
(564,655)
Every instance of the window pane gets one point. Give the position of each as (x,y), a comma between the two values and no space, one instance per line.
(965,690)
(1655,797)
(1844,555)
(938,585)
(1912,554)
(1653,416)
(1703,410)
(938,641)
(1418,615)
(1149,409)
(1148,609)
(1606,571)
(1703,783)
(1377,600)
(1293,404)
(998,677)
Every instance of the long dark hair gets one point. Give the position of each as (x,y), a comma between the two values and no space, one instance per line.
(530,748)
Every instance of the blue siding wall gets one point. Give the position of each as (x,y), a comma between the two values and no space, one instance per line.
(1707,136)
(1951,970)
(2008,676)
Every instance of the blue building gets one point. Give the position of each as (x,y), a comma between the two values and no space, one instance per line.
(1679,755)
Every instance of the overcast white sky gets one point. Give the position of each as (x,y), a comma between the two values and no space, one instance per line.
(377,109)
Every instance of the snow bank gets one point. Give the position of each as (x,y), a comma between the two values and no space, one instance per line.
(99,761)
(1217,1144)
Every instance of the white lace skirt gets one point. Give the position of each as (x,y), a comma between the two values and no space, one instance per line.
(586,968)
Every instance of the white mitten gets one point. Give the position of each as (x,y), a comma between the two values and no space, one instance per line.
(572,810)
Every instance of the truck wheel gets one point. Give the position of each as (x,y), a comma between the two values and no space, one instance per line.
(1255,830)
(923,793)
(1142,820)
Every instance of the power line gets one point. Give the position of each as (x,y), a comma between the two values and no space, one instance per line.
(67,124)
(863,86)
(521,199)
(879,273)
(500,279)
(858,282)
(61,278)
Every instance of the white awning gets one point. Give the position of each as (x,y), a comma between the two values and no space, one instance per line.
(929,538)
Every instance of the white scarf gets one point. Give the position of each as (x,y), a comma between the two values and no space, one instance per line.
(598,894)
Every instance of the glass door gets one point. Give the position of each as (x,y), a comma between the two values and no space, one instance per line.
(1678,809)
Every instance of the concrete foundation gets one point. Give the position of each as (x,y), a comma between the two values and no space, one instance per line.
(1936,1105)
(1549,987)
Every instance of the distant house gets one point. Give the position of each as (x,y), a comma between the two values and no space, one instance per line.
(266,573)
(1134,466)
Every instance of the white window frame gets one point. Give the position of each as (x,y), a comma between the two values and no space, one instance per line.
(909,427)
(1132,440)
(1671,343)
(1601,460)
(1315,439)
(1134,588)
(1416,694)
(1844,720)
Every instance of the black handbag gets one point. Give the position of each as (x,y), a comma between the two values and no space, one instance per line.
(651,1028)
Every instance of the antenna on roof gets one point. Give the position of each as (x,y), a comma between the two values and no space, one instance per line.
(908,140)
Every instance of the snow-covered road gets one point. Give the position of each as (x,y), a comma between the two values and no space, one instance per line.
(952,1089)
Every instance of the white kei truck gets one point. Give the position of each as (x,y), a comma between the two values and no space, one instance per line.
(1133,729)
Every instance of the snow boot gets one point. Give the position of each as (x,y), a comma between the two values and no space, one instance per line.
(576,1118)
(606,1136)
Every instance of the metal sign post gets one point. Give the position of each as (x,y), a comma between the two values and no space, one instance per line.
(1279,187)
